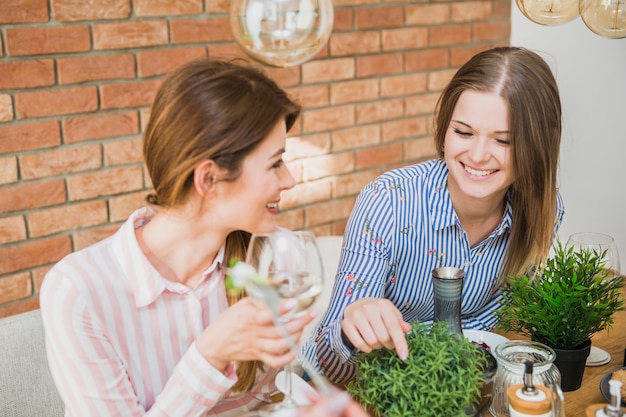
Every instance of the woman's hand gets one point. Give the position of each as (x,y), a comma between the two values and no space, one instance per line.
(245,331)
(339,405)
(374,323)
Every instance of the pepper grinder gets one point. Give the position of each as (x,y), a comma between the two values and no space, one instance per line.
(612,409)
(527,399)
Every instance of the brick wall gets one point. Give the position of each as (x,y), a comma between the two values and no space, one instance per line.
(77,79)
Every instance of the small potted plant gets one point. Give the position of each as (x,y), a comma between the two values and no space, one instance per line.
(442,376)
(562,305)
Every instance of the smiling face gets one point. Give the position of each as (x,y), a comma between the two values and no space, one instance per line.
(477,148)
(250,202)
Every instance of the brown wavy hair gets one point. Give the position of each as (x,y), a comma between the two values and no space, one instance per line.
(211,109)
(525,81)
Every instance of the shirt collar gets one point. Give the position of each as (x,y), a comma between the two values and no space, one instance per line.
(145,281)
(442,212)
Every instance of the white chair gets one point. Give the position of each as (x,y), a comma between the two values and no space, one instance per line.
(26,386)
(330,250)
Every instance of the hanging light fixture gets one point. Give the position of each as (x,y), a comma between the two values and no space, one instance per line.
(281,33)
(549,12)
(605,17)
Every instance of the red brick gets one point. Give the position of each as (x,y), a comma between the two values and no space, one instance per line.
(492,31)
(131,34)
(437,80)
(12,309)
(351,184)
(27,136)
(129,94)
(23,11)
(311,96)
(102,183)
(56,102)
(450,35)
(226,51)
(102,125)
(352,91)
(328,165)
(355,137)
(427,59)
(12,229)
(355,43)
(459,56)
(342,20)
(306,193)
(25,74)
(68,217)
(379,17)
(328,118)
(123,152)
(217,6)
(166,8)
(468,11)
(404,128)
(327,70)
(8,170)
(95,68)
(162,61)
(307,146)
(420,149)
(501,10)
(402,85)
(340,3)
(88,237)
(120,207)
(380,64)
(6,108)
(72,10)
(47,40)
(427,14)
(331,211)
(60,161)
(380,110)
(421,104)
(404,38)
(284,77)
(33,253)
(201,30)
(291,219)
(31,195)
(15,287)
(378,156)
(38,276)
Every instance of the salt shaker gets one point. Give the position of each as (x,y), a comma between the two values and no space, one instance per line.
(528,399)
(612,409)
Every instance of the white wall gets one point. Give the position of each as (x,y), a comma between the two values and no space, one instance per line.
(591,73)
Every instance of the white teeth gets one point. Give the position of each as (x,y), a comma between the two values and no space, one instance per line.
(272,206)
(479,173)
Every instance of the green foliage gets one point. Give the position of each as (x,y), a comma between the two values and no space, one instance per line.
(442,375)
(564,304)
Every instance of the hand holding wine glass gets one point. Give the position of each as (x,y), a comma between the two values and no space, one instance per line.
(288,266)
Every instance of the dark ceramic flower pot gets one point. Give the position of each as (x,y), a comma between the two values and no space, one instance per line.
(571,364)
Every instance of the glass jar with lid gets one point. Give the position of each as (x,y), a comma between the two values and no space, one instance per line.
(511,357)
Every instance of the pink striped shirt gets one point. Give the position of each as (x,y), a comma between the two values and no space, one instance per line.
(120,337)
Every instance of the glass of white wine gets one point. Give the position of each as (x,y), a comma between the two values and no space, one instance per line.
(290,264)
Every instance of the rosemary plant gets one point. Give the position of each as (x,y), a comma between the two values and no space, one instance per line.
(442,375)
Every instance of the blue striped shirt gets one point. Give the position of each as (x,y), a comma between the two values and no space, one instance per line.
(402,227)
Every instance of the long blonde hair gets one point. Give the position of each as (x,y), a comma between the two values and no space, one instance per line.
(211,109)
(527,84)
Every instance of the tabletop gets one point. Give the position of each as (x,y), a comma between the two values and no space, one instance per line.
(614,342)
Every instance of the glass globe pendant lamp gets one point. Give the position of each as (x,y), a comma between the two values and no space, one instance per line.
(549,12)
(281,33)
(605,17)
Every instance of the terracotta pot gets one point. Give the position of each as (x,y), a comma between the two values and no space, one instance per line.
(571,364)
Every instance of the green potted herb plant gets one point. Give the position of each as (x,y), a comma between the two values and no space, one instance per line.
(562,305)
(442,376)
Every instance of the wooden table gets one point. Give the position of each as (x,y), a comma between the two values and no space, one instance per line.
(613,342)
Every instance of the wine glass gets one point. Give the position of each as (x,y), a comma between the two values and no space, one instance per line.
(289,263)
(601,244)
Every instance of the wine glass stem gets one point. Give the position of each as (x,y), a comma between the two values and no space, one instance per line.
(288,401)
